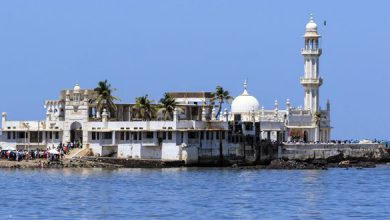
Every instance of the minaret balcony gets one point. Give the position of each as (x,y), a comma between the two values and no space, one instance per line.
(311,51)
(308,81)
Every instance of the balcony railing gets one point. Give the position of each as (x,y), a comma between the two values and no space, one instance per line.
(311,81)
(317,51)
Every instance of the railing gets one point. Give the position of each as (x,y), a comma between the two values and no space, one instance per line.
(311,51)
(149,142)
(311,81)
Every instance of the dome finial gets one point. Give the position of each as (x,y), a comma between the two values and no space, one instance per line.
(311,26)
(245,87)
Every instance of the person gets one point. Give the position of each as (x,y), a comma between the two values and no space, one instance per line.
(66,149)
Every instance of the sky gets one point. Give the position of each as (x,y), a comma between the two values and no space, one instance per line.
(151,47)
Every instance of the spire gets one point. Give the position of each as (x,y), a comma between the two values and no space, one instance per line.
(245,87)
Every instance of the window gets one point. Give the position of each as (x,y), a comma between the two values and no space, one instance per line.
(9,135)
(128,136)
(93,136)
(149,135)
(212,135)
(20,134)
(122,136)
(207,135)
(107,135)
(169,135)
(57,135)
(217,135)
(193,135)
(140,135)
(223,135)
(135,136)
(249,126)
(164,135)
(201,135)
(50,135)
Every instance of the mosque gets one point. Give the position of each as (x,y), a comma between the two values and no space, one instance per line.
(310,123)
(192,130)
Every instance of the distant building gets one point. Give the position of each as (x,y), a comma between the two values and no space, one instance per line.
(193,128)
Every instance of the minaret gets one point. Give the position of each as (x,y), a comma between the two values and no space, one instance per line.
(311,81)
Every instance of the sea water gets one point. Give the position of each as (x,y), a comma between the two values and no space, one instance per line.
(195,193)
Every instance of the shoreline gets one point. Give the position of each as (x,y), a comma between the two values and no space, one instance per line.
(114,163)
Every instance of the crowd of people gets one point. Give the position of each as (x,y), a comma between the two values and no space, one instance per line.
(51,152)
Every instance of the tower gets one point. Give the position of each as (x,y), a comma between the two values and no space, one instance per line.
(311,81)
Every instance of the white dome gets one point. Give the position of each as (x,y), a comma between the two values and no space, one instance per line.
(76,87)
(245,103)
(311,26)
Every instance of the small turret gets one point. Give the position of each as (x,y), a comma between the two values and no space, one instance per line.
(276,110)
(67,96)
(328,105)
(3,118)
(175,115)
(288,104)
(226,115)
(213,114)
(104,116)
(86,96)
(204,115)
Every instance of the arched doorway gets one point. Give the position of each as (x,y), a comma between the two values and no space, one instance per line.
(76,132)
(305,136)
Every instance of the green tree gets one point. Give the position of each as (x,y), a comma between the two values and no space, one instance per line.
(221,96)
(104,98)
(167,106)
(144,109)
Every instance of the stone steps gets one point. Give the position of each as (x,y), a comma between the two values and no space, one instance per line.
(73,153)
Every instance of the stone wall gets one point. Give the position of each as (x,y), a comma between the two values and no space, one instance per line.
(370,152)
(136,163)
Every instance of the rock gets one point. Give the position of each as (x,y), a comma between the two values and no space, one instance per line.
(344,162)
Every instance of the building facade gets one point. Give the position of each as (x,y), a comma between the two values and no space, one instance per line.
(73,118)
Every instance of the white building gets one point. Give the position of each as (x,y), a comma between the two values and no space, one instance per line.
(309,124)
(73,118)
(193,130)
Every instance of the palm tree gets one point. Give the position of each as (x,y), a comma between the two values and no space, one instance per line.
(104,98)
(144,108)
(317,120)
(221,96)
(167,106)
